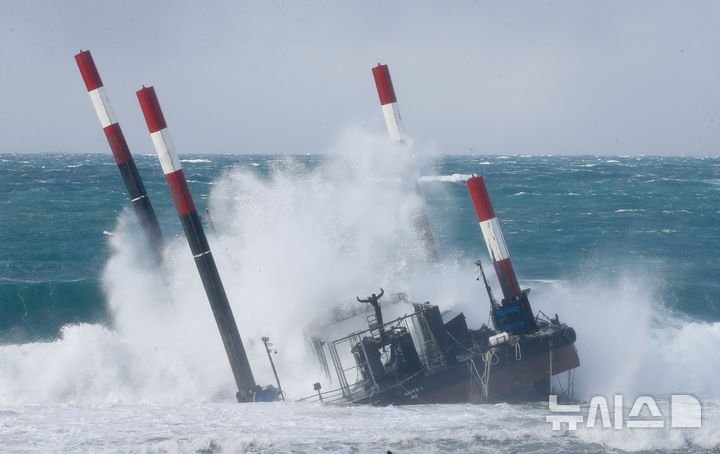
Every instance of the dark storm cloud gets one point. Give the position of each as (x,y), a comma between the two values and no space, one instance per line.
(286,77)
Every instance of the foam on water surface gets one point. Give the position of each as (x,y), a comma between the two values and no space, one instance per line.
(295,236)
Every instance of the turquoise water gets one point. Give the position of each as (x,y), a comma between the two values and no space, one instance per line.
(562,217)
(100,352)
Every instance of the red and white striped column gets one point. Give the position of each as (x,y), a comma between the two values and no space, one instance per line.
(493,238)
(391,112)
(390,109)
(100,101)
(198,244)
(121,152)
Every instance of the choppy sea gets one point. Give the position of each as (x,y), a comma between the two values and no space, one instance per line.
(102,352)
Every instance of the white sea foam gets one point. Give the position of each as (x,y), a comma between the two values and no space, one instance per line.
(195,161)
(289,246)
(628,342)
(300,427)
(292,245)
(200,182)
(454,178)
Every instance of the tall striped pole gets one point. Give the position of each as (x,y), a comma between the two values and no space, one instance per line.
(389,104)
(494,238)
(394,125)
(121,152)
(198,244)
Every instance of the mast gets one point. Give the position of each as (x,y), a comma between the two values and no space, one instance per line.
(493,238)
(515,314)
(396,131)
(198,244)
(121,152)
(388,101)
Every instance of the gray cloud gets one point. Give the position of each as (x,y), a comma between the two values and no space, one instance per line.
(500,77)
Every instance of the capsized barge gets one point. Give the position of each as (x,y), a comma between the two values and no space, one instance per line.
(430,356)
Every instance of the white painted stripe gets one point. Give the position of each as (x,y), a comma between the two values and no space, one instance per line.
(138,198)
(165,151)
(393,121)
(102,107)
(201,254)
(494,240)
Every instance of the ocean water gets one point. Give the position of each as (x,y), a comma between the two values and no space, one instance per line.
(102,352)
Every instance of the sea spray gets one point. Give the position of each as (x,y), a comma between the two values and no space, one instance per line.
(304,240)
(293,242)
(289,247)
(152,376)
(629,342)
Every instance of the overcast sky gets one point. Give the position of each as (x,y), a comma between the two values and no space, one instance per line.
(500,77)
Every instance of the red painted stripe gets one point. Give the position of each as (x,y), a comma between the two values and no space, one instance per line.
(384,84)
(116,139)
(151,109)
(511,283)
(88,70)
(180,192)
(480,198)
